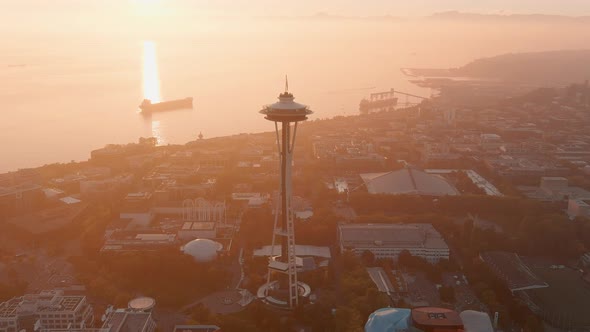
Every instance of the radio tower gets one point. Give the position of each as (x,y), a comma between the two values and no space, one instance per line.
(284,112)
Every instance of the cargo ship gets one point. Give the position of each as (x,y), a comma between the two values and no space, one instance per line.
(147,106)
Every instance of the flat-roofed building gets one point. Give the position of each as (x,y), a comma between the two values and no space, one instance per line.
(554,189)
(196,328)
(105,186)
(21,198)
(47,310)
(123,320)
(250,200)
(431,319)
(579,207)
(133,241)
(198,230)
(389,240)
(509,268)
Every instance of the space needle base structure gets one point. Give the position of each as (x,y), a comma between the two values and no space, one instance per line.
(282,289)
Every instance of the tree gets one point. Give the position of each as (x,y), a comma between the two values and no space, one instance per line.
(347,320)
(368,258)
(447,294)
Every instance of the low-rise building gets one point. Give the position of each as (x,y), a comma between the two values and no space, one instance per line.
(389,240)
(198,230)
(196,328)
(45,311)
(118,241)
(123,320)
(579,207)
(21,198)
(555,189)
(105,186)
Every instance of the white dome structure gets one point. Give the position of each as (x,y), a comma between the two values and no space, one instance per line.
(142,304)
(202,250)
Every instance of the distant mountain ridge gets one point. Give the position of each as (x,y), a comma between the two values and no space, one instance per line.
(447,15)
(456,15)
(324,16)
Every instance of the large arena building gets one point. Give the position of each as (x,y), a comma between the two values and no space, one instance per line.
(408,181)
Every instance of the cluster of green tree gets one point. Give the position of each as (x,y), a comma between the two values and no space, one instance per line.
(468,241)
(463,162)
(464,184)
(486,206)
(51,171)
(529,228)
(87,229)
(14,239)
(319,230)
(256,317)
(171,277)
(447,294)
(256,228)
(257,224)
(168,275)
(552,235)
(433,271)
(346,297)
(507,186)
(12,289)
(347,304)
(533,228)
(496,296)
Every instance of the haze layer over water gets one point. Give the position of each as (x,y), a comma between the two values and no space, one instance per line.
(64,92)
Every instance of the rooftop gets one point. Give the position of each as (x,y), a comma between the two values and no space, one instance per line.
(436,317)
(408,181)
(286,109)
(512,270)
(46,301)
(198,225)
(397,235)
(5,191)
(300,250)
(196,328)
(123,321)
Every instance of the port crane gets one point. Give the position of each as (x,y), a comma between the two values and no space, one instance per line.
(388,100)
(407,96)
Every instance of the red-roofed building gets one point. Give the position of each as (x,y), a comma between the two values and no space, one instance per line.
(431,319)
(197,328)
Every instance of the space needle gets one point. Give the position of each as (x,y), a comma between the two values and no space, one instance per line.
(285,289)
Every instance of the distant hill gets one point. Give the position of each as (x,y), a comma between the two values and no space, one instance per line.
(551,68)
(323,16)
(455,15)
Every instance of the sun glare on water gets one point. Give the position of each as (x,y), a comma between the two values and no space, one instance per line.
(151,81)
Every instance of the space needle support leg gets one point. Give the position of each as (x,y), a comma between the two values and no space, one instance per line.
(294,135)
(285,187)
(293,285)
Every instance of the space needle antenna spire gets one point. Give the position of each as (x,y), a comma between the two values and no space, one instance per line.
(286,83)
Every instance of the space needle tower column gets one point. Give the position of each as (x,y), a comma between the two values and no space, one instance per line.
(285,112)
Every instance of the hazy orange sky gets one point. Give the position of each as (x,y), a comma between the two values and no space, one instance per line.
(343,7)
